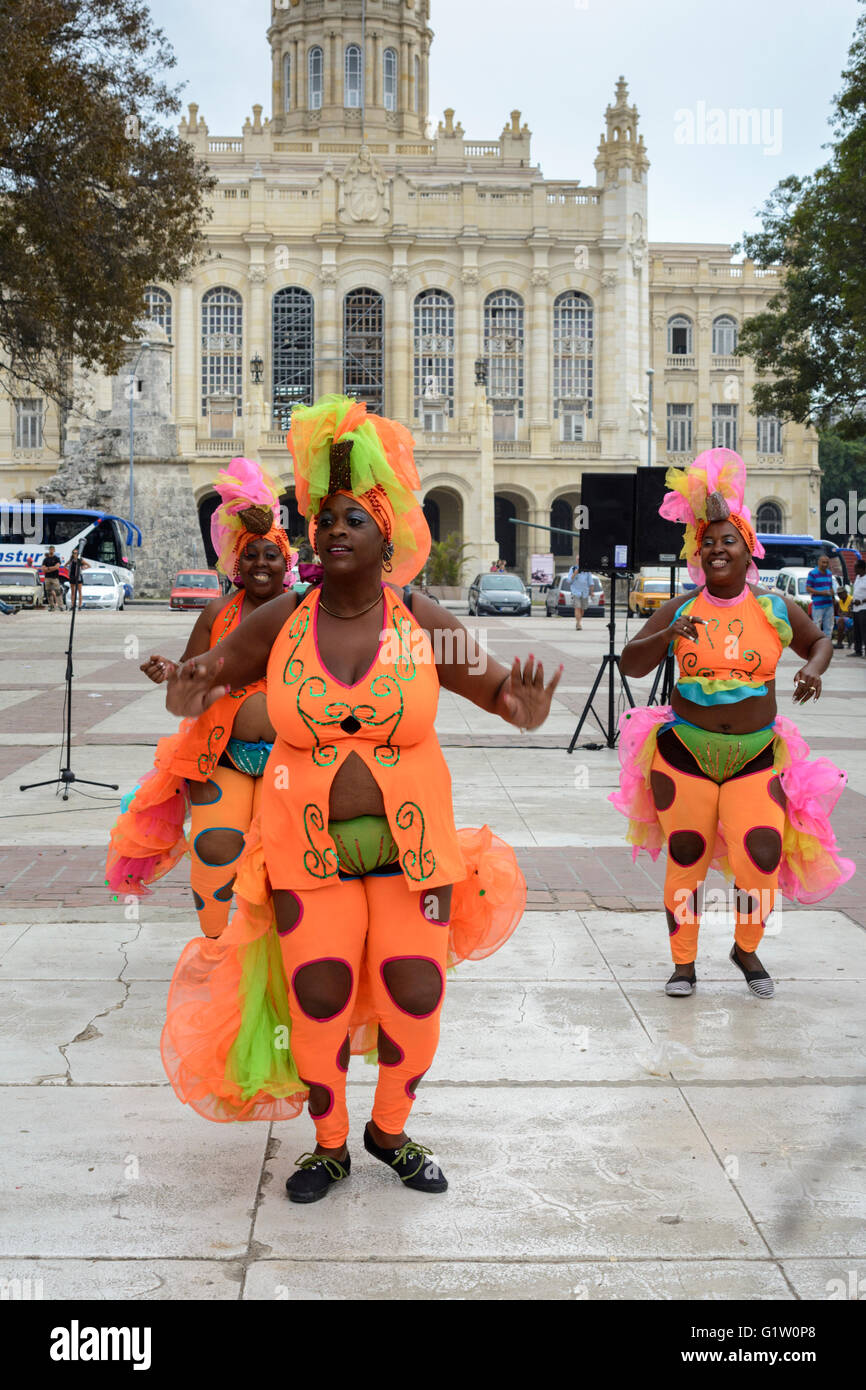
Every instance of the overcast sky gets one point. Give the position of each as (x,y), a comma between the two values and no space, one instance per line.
(686,61)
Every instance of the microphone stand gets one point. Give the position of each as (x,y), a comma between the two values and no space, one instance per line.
(610,664)
(67,777)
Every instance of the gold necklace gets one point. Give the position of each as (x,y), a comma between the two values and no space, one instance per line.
(345,616)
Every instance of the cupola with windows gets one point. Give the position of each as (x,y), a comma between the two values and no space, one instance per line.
(350,69)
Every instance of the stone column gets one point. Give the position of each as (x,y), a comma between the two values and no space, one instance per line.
(468,333)
(255,423)
(370,72)
(480,521)
(403,77)
(333,78)
(538,405)
(399,338)
(301,79)
(376,74)
(188,405)
(330,377)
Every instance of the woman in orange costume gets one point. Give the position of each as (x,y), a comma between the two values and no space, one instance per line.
(215,764)
(718,774)
(357,892)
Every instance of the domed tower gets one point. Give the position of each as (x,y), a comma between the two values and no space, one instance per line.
(350,69)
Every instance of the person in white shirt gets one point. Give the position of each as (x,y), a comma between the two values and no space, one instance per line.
(858,609)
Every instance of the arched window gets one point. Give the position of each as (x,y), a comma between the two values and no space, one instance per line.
(315,78)
(680,336)
(562,515)
(364,348)
(389,78)
(352,80)
(292,352)
(416,92)
(434,357)
(724,336)
(769,519)
(287,82)
(158,308)
(572,362)
(503,351)
(222,354)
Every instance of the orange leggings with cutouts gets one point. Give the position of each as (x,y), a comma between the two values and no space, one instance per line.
(750,809)
(369,932)
(217,830)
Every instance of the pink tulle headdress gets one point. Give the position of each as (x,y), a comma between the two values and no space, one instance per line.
(713,488)
(249,509)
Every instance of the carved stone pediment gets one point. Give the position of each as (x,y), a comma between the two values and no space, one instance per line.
(364,191)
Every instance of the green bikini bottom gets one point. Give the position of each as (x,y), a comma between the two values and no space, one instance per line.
(720,756)
(364,844)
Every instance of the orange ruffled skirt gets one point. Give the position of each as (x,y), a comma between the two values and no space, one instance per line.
(226,1044)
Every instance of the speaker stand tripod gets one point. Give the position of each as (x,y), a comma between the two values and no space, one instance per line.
(609,664)
(67,777)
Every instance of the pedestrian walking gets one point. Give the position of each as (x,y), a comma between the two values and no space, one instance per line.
(821,589)
(858,609)
(580,583)
(52,586)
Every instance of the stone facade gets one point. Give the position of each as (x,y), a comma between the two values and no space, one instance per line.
(354,247)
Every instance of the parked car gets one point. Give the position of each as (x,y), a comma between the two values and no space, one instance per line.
(559,599)
(648,594)
(20,587)
(791,582)
(101,588)
(194,589)
(499,593)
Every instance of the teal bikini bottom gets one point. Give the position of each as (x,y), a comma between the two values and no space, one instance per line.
(246,757)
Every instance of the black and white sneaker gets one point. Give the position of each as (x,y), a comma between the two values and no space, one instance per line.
(316,1174)
(679,986)
(759,981)
(414,1165)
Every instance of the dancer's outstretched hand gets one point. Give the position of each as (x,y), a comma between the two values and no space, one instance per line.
(192,689)
(159,669)
(524,699)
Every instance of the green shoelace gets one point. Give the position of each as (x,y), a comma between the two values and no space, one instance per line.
(333,1165)
(410,1150)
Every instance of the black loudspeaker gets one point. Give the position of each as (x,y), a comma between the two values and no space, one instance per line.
(609,499)
(657,542)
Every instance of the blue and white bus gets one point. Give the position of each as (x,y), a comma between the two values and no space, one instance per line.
(799,552)
(28,528)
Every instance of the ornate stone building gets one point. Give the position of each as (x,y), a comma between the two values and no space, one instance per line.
(509,320)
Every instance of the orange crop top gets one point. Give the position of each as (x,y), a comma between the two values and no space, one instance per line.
(738,648)
(387,718)
(194,751)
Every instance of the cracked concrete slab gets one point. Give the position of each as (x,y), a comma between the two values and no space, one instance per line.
(126,1281)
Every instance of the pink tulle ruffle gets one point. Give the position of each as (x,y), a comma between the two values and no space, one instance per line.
(811,866)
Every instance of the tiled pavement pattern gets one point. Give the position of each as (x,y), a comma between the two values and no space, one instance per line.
(602,1141)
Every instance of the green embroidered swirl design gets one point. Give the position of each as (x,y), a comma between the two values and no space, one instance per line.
(404,666)
(319,863)
(711,626)
(418,864)
(294,669)
(207,761)
(386,754)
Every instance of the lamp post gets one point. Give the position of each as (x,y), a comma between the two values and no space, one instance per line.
(145,347)
(481,371)
(649,418)
(256,369)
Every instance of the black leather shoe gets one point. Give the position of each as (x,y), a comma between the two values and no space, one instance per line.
(414,1165)
(316,1174)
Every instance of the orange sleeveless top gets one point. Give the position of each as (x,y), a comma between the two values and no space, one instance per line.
(739,645)
(195,750)
(387,718)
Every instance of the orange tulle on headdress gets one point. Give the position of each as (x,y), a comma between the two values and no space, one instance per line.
(378,470)
(249,510)
(715,482)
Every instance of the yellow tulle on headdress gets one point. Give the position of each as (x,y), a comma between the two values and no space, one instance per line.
(381,460)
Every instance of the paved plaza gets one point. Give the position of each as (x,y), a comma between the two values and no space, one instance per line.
(601,1140)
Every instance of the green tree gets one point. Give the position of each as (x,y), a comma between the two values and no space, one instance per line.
(810,341)
(98,196)
(445,565)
